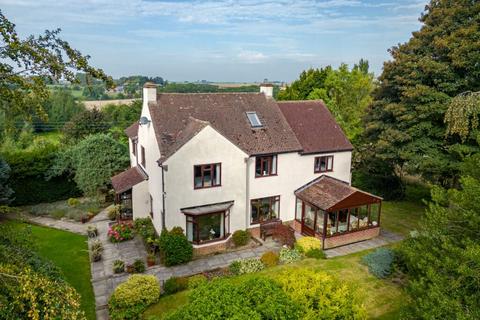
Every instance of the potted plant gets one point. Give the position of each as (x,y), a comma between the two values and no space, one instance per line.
(92,231)
(130,268)
(96,250)
(84,219)
(118,266)
(113,212)
(150,259)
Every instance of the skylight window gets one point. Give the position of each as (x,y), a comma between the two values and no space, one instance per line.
(254,120)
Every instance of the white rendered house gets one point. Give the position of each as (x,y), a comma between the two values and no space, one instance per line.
(214,163)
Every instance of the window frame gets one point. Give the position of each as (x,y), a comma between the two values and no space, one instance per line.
(212,168)
(134,147)
(143,161)
(189,218)
(275,198)
(151,206)
(270,159)
(319,159)
(256,118)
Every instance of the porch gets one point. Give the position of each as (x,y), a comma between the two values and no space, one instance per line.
(123,184)
(336,212)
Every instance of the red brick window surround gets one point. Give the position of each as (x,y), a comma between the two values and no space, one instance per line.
(323,164)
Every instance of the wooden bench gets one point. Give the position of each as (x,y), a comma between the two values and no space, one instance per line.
(267,228)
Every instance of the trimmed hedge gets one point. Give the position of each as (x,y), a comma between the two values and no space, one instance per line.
(174,285)
(132,297)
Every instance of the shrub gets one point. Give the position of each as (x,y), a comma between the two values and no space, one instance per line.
(118,266)
(316,254)
(284,235)
(58,214)
(306,244)
(244,266)
(177,230)
(240,237)
(96,250)
(380,262)
(196,281)
(289,255)
(139,266)
(320,295)
(144,227)
(246,298)
(175,248)
(120,232)
(270,259)
(113,212)
(73,202)
(174,284)
(132,297)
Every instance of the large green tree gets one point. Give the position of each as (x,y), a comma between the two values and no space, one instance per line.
(405,127)
(92,162)
(28,65)
(347,93)
(5,191)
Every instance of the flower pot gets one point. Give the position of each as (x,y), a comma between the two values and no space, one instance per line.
(84,219)
(130,269)
(97,257)
(92,233)
(150,263)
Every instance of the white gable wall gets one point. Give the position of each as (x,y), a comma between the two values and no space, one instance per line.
(207,147)
(147,139)
(293,171)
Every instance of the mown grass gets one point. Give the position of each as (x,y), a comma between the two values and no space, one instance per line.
(382,299)
(68,251)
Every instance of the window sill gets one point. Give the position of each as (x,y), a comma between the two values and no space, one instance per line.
(323,171)
(209,187)
(270,175)
(210,241)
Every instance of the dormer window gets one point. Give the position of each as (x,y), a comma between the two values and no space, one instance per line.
(254,120)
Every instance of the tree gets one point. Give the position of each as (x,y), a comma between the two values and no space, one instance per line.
(27,65)
(5,191)
(61,107)
(442,259)
(93,161)
(85,123)
(405,124)
(347,93)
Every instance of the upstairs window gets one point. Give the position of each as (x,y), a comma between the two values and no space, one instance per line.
(144,162)
(266,166)
(254,120)
(323,164)
(134,147)
(207,175)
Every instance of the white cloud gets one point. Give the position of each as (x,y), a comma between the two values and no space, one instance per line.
(251,57)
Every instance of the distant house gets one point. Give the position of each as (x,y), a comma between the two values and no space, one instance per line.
(220,162)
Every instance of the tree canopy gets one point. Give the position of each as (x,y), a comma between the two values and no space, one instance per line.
(28,65)
(5,191)
(92,161)
(347,93)
(405,125)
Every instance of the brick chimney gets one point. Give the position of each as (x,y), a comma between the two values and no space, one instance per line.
(149,92)
(267,89)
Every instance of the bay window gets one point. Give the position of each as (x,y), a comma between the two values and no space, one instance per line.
(207,175)
(265,209)
(207,227)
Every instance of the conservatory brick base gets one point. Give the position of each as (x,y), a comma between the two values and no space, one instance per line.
(352,237)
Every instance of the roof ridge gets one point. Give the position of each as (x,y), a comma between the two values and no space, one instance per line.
(301,101)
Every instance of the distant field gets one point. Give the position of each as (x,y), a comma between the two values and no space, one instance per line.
(232,84)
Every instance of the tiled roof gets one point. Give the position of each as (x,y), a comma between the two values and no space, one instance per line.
(127,179)
(326,193)
(314,126)
(226,113)
(132,131)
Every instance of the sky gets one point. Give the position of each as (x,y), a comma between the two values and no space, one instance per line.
(222,40)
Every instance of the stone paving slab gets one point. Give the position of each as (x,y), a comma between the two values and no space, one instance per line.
(385,238)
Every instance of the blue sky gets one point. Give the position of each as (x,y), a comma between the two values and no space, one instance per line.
(223,40)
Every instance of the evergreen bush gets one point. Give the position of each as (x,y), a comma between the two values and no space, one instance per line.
(380,262)
(240,237)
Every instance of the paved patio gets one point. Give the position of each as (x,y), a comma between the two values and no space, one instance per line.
(385,238)
(104,281)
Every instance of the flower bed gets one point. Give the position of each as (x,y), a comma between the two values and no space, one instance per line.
(119,232)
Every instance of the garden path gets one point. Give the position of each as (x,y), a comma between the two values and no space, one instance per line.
(65,224)
(385,238)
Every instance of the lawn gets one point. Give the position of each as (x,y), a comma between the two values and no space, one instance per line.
(383,299)
(69,252)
